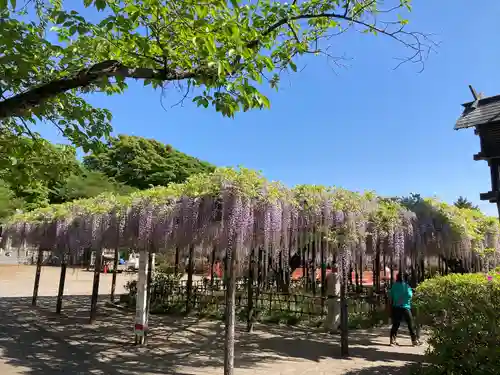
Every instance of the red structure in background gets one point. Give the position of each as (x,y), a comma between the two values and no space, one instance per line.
(298,274)
(218,270)
(367,275)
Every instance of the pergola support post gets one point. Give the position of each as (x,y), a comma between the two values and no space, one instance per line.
(95,286)
(149,291)
(62,279)
(115,270)
(37,276)
(141,300)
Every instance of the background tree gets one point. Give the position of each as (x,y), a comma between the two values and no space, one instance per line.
(87,184)
(35,173)
(9,203)
(142,163)
(221,51)
(463,202)
(33,168)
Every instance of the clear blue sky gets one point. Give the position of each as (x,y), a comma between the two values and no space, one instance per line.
(364,127)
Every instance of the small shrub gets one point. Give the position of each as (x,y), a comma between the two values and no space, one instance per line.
(463,314)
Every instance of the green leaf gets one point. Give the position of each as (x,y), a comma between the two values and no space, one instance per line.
(222,47)
(100,4)
(265,101)
(210,44)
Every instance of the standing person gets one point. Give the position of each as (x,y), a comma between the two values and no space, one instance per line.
(400,296)
(332,282)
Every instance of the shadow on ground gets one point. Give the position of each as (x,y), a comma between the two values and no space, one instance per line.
(38,341)
(384,370)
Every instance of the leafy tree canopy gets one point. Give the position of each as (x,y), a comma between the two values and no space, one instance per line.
(463,202)
(143,163)
(32,168)
(221,51)
(35,173)
(88,184)
(9,203)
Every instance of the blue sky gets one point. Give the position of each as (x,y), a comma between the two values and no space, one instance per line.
(362,127)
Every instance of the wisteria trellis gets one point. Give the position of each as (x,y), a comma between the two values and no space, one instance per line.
(240,210)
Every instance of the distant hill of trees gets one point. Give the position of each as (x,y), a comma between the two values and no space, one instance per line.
(143,163)
(35,173)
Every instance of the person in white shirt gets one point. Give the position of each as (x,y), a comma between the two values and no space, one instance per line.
(332,283)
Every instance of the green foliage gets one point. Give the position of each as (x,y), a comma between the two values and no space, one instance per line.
(32,168)
(143,163)
(36,173)
(88,184)
(464,223)
(463,314)
(385,214)
(387,217)
(28,59)
(9,203)
(221,49)
(463,202)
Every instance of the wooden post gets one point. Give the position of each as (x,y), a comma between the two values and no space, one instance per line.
(392,268)
(37,276)
(115,271)
(176,265)
(308,264)
(212,266)
(95,285)
(250,282)
(344,320)
(149,290)
(189,286)
(259,276)
(361,270)
(377,267)
(230,311)
(141,300)
(324,248)
(62,279)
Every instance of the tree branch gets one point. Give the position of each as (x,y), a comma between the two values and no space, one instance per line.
(18,104)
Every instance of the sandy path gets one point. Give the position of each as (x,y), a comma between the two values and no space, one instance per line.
(36,341)
(17,281)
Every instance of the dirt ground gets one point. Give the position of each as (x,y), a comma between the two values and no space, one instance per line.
(18,280)
(37,341)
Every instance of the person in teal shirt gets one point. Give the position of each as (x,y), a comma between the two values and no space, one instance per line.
(400,298)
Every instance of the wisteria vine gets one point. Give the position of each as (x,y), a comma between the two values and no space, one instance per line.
(238,209)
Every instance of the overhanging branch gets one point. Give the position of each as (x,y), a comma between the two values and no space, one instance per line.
(18,104)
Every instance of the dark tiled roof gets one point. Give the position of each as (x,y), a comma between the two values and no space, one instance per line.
(486,111)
